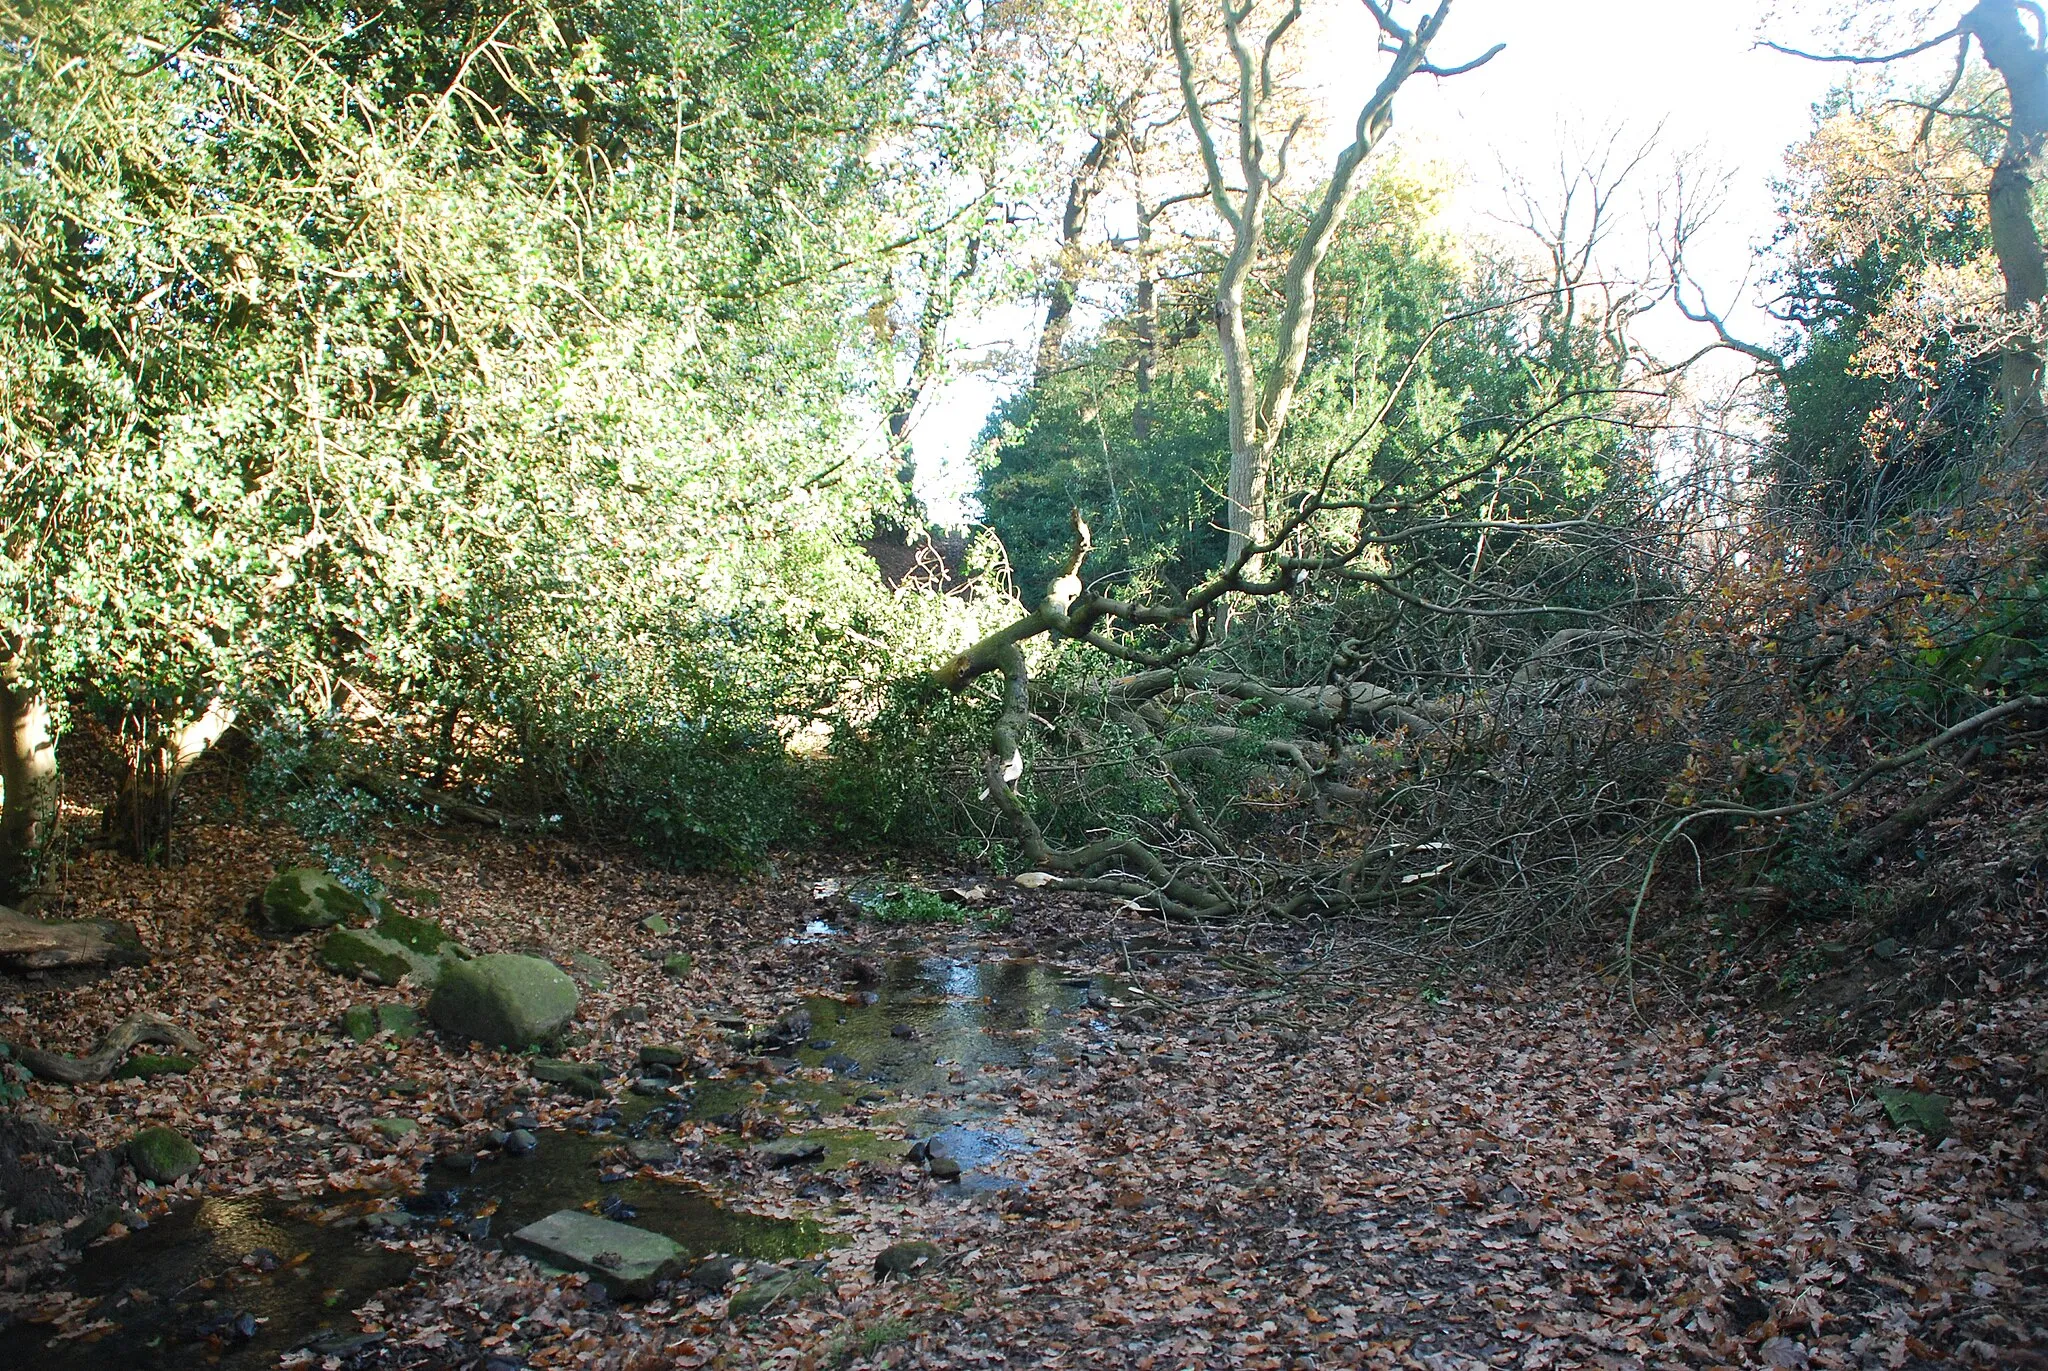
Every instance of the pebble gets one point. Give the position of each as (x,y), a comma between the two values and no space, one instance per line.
(520,1142)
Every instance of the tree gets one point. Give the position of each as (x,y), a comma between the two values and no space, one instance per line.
(1260,395)
(2020,58)
(364,377)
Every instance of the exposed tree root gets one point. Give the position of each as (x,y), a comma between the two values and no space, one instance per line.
(98,1064)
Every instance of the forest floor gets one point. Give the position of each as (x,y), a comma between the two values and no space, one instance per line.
(1266,1152)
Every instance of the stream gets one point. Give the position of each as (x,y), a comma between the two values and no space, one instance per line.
(239,1282)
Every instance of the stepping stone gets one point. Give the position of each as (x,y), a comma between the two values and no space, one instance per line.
(574,1078)
(785,1152)
(627,1259)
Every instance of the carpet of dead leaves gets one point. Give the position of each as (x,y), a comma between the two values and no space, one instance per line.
(1518,1172)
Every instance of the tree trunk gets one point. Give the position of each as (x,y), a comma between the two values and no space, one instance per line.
(145,805)
(1059,306)
(1148,326)
(28,778)
(2023,65)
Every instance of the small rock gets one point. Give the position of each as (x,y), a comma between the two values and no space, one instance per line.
(773,1287)
(628,1260)
(520,1142)
(941,1167)
(657,925)
(395,1129)
(575,1078)
(903,1031)
(595,972)
(359,1021)
(664,1054)
(464,1162)
(653,1152)
(678,965)
(162,1155)
(840,1064)
(1784,1353)
(714,1274)
(906,1260)
(788,1152)
(650,1085)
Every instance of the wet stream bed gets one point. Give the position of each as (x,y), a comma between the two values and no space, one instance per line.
(238,1282)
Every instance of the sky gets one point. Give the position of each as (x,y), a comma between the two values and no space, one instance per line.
(1571,69)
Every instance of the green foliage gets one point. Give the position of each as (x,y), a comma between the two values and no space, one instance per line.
(484,424)
(1887,392)
(1154,501)
(906,904)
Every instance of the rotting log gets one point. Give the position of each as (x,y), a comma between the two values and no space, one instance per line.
(99,1063)
(37,945)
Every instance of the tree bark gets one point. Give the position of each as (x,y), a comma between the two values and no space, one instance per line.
(28,777)
(145,805)
(2023,64)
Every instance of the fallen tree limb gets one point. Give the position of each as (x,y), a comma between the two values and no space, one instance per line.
(1881,835)
(98,1064)
(393,790)
(1968,728)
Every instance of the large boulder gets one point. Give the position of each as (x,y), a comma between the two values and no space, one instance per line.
(306,898)
(504,999)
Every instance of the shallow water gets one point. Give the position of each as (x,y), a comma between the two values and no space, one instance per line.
(162,1287)
(171,1293)
(942,1016)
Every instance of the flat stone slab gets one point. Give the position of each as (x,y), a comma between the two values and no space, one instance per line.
(627,1259)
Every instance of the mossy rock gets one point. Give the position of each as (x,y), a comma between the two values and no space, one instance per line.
(306,898)
(773,1289)
(369,955)
(504,1000)
(657,925)
(595,972)
(1915,1109)
(664,1054)
(395,1129)
(145,1065)
(162,1155)
(576,1078)
(363,1022)
(906,1260)
(424,936)
(679,965)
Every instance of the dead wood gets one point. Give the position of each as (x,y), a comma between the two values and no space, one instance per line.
(34,945)
(98,1064)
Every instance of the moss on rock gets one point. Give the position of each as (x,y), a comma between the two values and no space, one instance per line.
(306,898)
(162,1155)
(505,1000)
